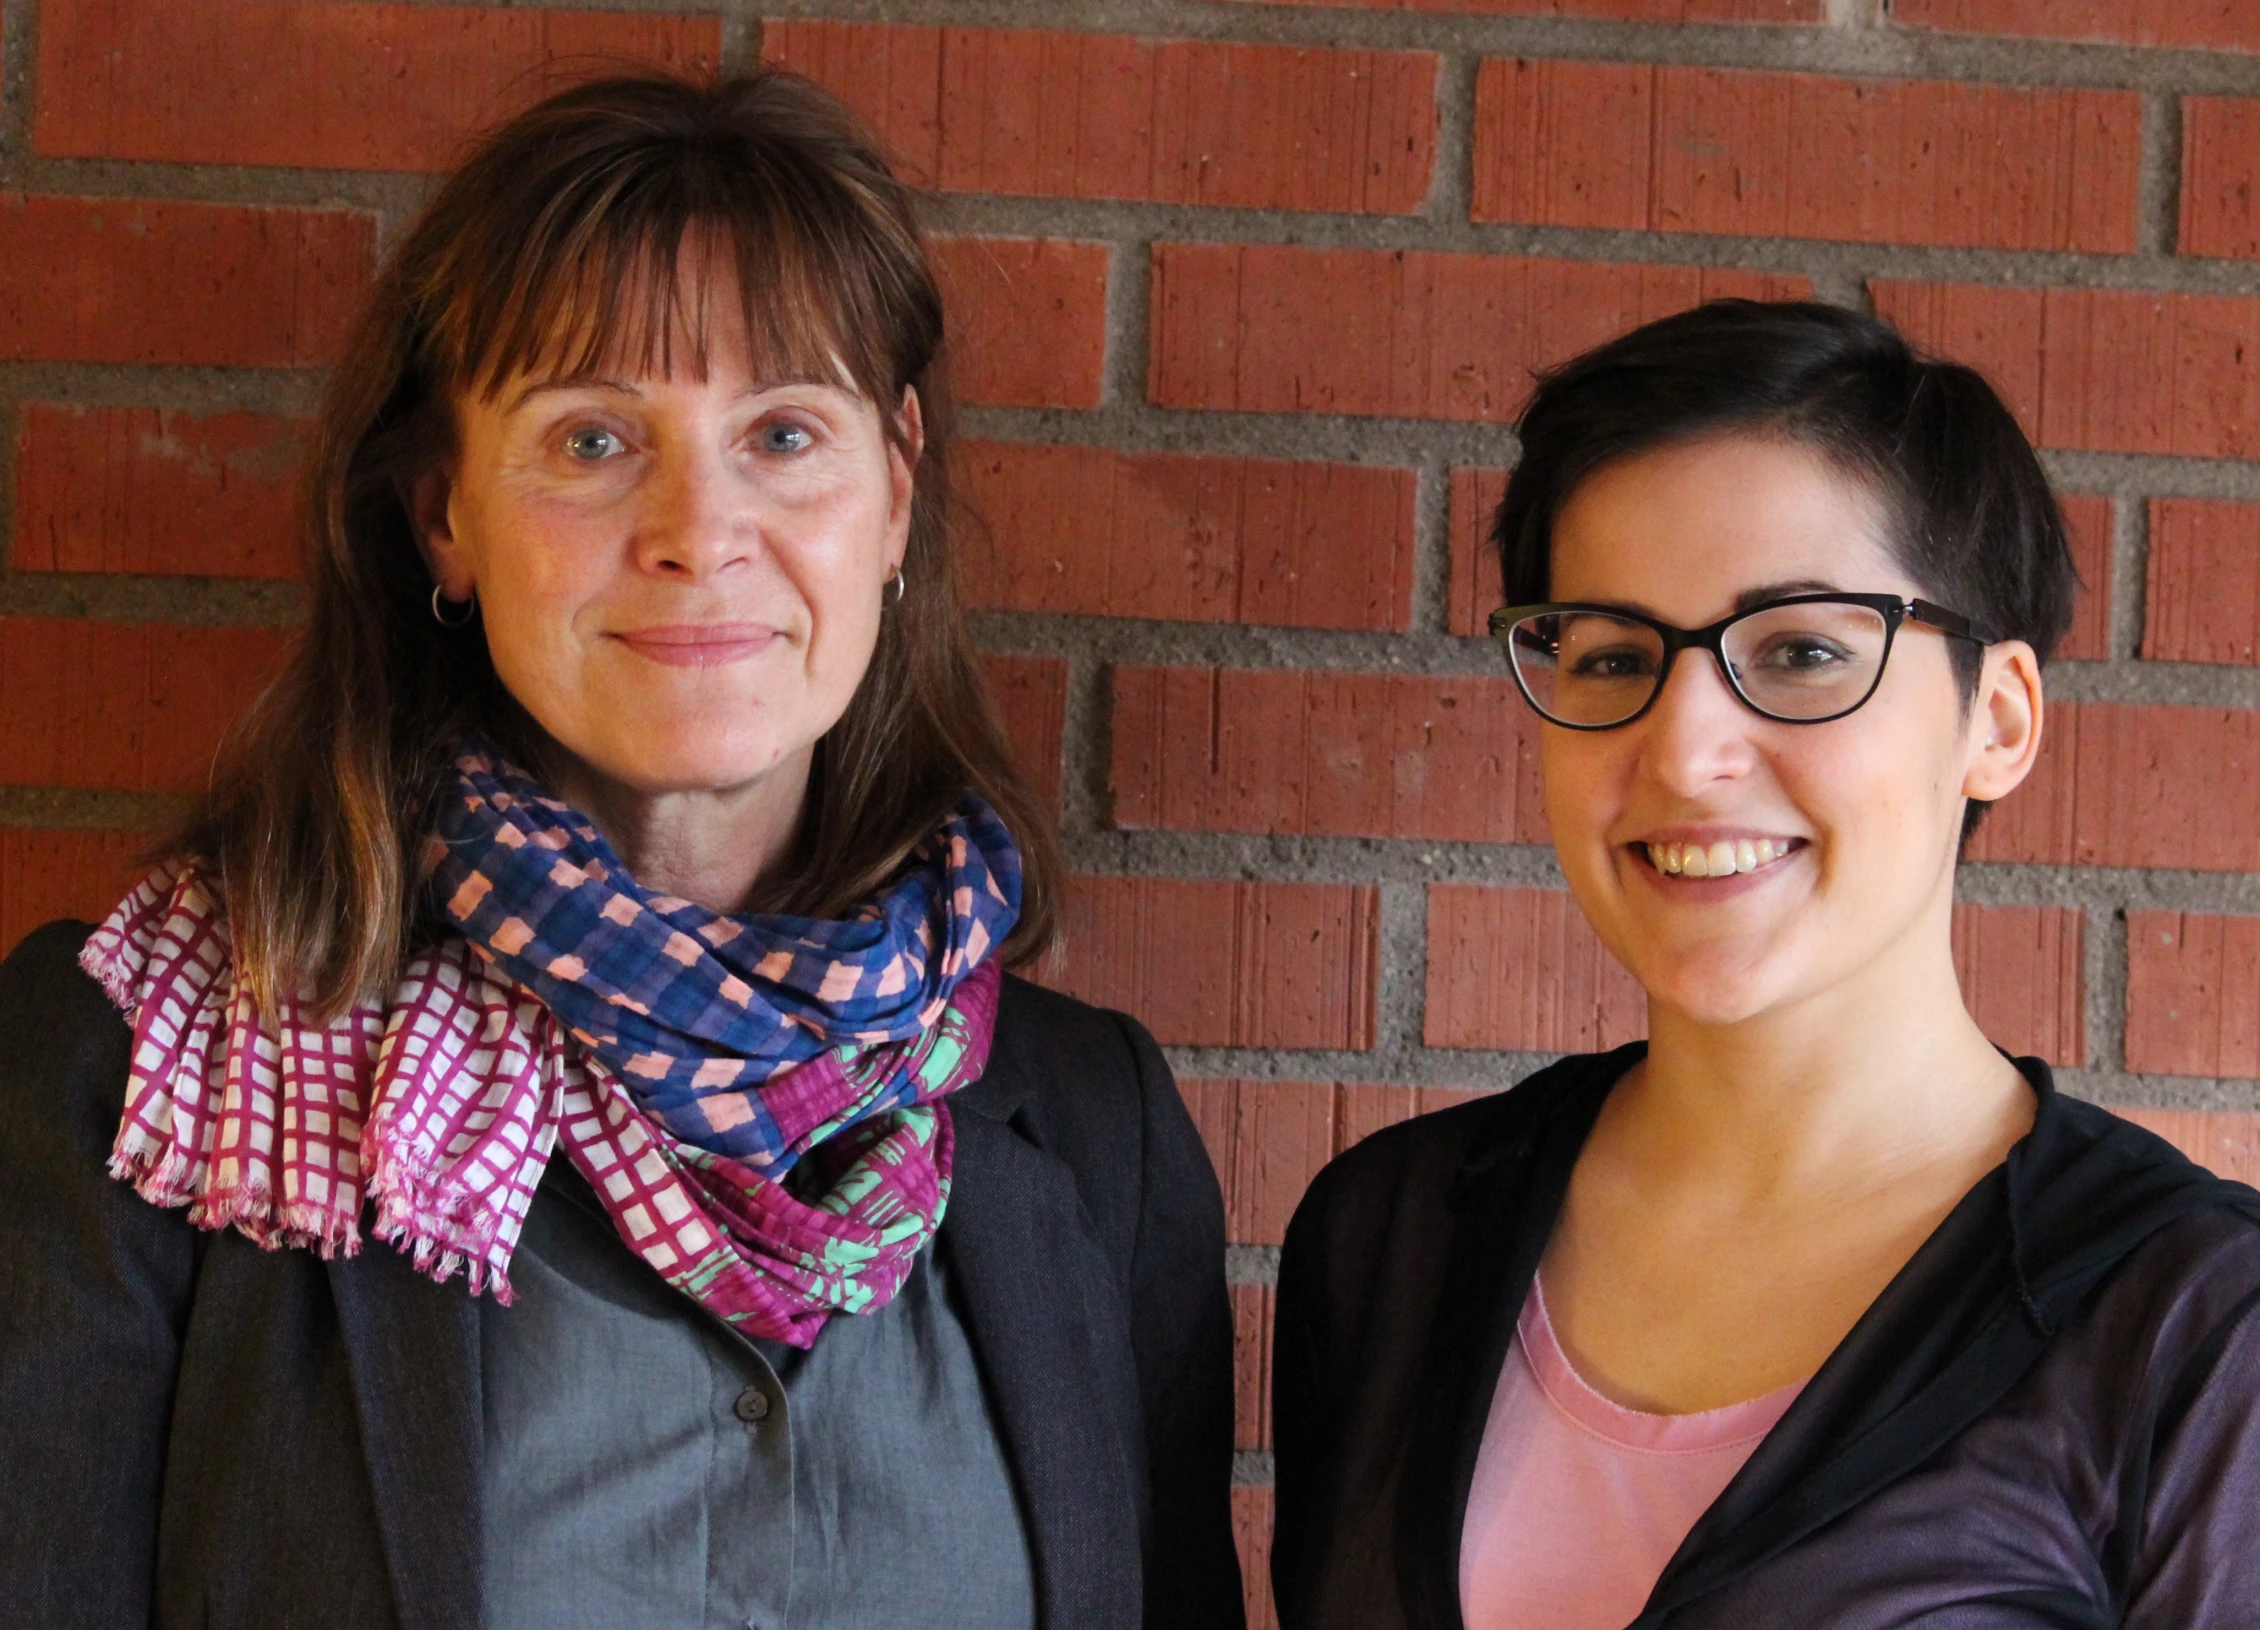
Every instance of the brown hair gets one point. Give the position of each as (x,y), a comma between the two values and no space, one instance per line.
(555,246)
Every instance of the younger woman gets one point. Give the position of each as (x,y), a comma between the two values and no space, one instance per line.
(1814,1310)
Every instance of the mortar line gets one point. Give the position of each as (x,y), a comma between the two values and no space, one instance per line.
(18,47)
(1128,319)
(2104,979)
(1432,548)
(11,455)
(2130,573)
(741,35)
(2158,180)
(1451,182)
(1834,263)
(1857,52)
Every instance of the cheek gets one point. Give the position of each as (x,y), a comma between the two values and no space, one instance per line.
(837,554)
(537,568)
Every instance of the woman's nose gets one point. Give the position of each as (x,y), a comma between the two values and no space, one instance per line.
(1698,729)
(697,519)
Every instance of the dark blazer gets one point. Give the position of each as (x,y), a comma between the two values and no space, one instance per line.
(2046,1420)
(196,1432)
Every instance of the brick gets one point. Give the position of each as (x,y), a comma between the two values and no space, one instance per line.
(2135,784)
(1027,319)
(1267,1139)
(2204,582)
(1031,695)
(1474,588)
(1327,754)
(1640,147)
(315,83)
(1251,1534)
(2201,25)
(1275,328)
(1520,970)
(2219,215)
(2193,994)
(1227,964)
(2227,1144)
(1251,1366)
(141,280)
(131,707)
(2110,370)
(2020,972)
(1363,1108)
(2088,516)
(112,489)
(1638,11)
(1081,115)
(1097,533)
(49,873)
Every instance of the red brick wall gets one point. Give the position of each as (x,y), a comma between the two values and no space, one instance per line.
(1242,295)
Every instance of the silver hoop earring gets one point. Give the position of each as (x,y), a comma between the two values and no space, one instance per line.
(897,581)
(470,609)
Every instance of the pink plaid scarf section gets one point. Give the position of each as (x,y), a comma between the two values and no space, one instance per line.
(443,1107)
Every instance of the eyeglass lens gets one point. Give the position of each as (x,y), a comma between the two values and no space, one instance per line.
(1797,662)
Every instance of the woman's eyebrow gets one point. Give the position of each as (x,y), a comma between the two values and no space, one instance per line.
(623,387)
(1775,591)
(568,382)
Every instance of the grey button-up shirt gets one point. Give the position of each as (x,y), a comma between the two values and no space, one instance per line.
(646,1466)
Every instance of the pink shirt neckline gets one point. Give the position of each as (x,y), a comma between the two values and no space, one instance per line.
(1638,1430)
(1578,1502)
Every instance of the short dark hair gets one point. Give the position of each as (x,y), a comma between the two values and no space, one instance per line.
(1973,520)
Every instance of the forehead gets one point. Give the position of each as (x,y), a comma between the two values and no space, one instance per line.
(1684,531)
(686,314)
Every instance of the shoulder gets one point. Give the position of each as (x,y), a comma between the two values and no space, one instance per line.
(1065,1069)
(2190,1281)
(1084,1082)
(2181,1248)
(1088,1087)
(1420,1161)
(1044,1036)
(58,1028)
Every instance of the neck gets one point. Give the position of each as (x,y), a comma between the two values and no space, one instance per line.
(710,846)
(1881,1075)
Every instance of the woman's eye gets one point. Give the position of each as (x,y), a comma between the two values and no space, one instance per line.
(786,438)
(1803,654)
(588,445)
(1616,662)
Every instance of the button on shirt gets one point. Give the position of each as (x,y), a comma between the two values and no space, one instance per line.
(645,1465)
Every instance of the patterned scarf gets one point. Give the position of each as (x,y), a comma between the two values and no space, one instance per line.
(687,1060)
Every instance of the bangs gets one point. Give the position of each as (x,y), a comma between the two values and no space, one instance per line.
(617,272)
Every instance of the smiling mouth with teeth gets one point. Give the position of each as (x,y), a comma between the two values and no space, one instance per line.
(1721,859)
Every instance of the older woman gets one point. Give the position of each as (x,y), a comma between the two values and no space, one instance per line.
(610,906)
(1814,1310)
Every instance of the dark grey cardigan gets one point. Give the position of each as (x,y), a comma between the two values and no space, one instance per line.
(195,1432)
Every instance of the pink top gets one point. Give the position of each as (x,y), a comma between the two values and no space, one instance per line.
(1579,1502)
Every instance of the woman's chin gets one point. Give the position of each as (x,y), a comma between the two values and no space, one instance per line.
(1718,986)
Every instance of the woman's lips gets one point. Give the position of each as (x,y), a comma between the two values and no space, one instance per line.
(703,645)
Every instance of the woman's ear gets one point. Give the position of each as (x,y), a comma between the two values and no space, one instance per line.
(904,449)
(429,500)
(2005,722)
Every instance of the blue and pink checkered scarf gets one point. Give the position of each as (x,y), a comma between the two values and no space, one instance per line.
(688,1061)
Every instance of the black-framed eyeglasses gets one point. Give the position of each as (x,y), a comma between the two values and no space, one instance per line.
(1801,659)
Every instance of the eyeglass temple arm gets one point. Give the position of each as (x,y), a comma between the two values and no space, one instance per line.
(1947,622)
